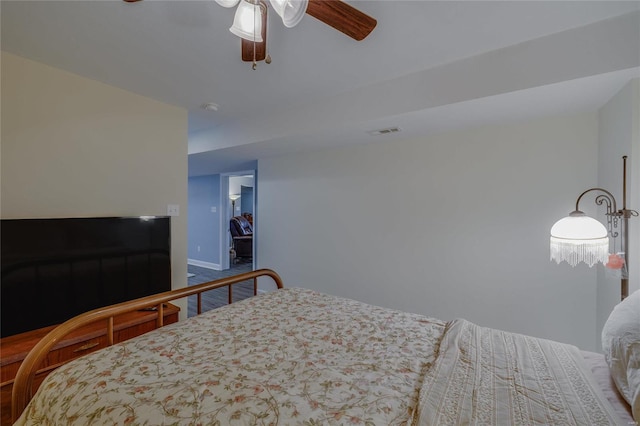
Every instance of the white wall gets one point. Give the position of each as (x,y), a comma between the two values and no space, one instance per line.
(619,135)
(237,182)
(455,225)
(235,187)
(73,147)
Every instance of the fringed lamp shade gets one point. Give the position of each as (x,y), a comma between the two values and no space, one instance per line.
(579,238)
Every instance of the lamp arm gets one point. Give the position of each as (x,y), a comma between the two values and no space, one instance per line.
(609,201)
(607,198)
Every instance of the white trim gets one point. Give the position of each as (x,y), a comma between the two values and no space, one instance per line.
(203,264)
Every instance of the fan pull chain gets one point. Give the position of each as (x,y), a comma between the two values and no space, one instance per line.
(267,57)
(255,64)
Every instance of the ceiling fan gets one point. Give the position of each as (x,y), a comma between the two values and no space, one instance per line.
(250,21)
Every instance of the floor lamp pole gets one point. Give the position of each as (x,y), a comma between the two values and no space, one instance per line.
(626,214)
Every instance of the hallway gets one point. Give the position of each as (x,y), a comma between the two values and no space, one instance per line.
(218,297)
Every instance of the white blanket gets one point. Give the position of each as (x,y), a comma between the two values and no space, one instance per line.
(484,376)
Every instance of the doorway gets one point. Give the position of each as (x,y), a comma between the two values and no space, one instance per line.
(238,197)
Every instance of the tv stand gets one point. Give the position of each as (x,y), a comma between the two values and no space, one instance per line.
(80,342)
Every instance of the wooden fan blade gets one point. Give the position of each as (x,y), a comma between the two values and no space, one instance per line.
(343,17)
(261,47)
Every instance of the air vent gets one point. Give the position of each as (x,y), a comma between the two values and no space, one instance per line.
(384,131)
(210,106)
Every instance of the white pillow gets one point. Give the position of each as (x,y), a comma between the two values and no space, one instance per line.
(621,346)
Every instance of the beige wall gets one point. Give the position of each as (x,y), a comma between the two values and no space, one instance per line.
(74,147)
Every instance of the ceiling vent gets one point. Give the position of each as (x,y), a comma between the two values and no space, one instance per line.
(384,131)
(210,106)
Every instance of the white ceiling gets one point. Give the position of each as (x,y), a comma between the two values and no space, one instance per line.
(428,66)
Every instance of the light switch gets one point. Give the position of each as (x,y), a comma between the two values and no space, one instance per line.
(173,210)
(214,209)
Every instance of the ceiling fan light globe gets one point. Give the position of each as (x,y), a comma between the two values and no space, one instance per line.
(291,11)
(227,3)
(247,22)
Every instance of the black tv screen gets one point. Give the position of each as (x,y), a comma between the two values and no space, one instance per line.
(54,269)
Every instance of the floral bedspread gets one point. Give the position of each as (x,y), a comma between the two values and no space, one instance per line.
(290,357)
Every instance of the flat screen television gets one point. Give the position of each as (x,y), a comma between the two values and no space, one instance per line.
(54,269)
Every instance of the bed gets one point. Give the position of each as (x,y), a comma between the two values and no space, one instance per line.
(296,356)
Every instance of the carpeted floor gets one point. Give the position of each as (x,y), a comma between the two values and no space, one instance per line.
(219,297)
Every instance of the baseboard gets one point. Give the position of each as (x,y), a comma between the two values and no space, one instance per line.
(203,264)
